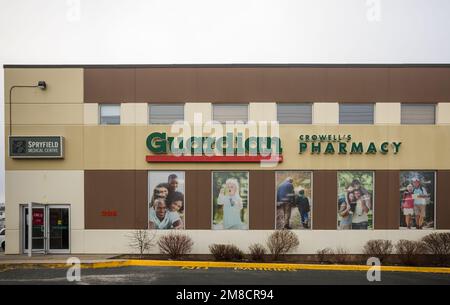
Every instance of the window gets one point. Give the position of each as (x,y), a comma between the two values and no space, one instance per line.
(109,114)
(165,114)
(418,114)
(356,113)
(230,112)
(294,113)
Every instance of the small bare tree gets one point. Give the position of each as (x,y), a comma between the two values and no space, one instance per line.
(142,241)
(281,242)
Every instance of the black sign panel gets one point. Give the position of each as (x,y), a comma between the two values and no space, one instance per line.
(36,147)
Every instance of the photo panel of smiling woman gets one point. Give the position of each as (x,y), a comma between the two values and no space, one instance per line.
(230,200)
(355,200)
(166,204)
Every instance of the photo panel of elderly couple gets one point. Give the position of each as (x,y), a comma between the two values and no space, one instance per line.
(293,200)
(166,200)
(355,200)
(417,200)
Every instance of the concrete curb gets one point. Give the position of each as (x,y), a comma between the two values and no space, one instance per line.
(231,265)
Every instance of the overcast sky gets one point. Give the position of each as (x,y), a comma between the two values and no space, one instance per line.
(231,31)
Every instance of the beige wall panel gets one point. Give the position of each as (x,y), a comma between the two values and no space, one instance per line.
(134,114)
(325,113)
(190,109)
(12,241)
(423,147)
(73,148)
(49,187)
(99,241)
(387,113)
(127,113)
(63,85)
(141,114)
(124,147)
(90,114)
(77,241)
(262,112)
(443,113)
(47,114)
(109,147)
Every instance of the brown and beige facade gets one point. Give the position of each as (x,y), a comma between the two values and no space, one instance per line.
(103,178)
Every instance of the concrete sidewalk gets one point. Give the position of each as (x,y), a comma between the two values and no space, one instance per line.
(16,259)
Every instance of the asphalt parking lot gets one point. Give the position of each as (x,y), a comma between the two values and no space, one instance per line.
(212,276)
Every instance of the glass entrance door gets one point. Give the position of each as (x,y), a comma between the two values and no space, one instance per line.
(50,228)
(58,229)
(38,229)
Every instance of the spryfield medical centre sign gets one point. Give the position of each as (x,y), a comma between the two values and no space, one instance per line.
(28,147)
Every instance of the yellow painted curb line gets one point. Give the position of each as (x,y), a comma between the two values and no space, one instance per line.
(237,265)
(280,266)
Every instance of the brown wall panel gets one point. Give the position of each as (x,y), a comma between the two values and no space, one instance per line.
(267,84)
(109,85)
(425,85)
(113,191)
(230,85)
(387,200)
(269,200)
(262,200)
(357,84)
(325,200)
(443,200)
(198,200)
(165,85)
(141,202)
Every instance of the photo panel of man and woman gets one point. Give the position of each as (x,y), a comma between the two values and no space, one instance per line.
(166,200)
(355,200)
(417,199)
(293,200)
(230,200)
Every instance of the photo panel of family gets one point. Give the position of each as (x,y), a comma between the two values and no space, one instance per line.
(230,199)
(293,200)
(166,200)
(355,200)
(417,199)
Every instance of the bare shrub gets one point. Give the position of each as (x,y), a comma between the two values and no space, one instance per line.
(223,252)
(281,242)
(323,255)
(142,241)
(379,248)
(341,256)
(234,253)
(257,252)
(175,245)
(218,251)
(438,244)
(408,250)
